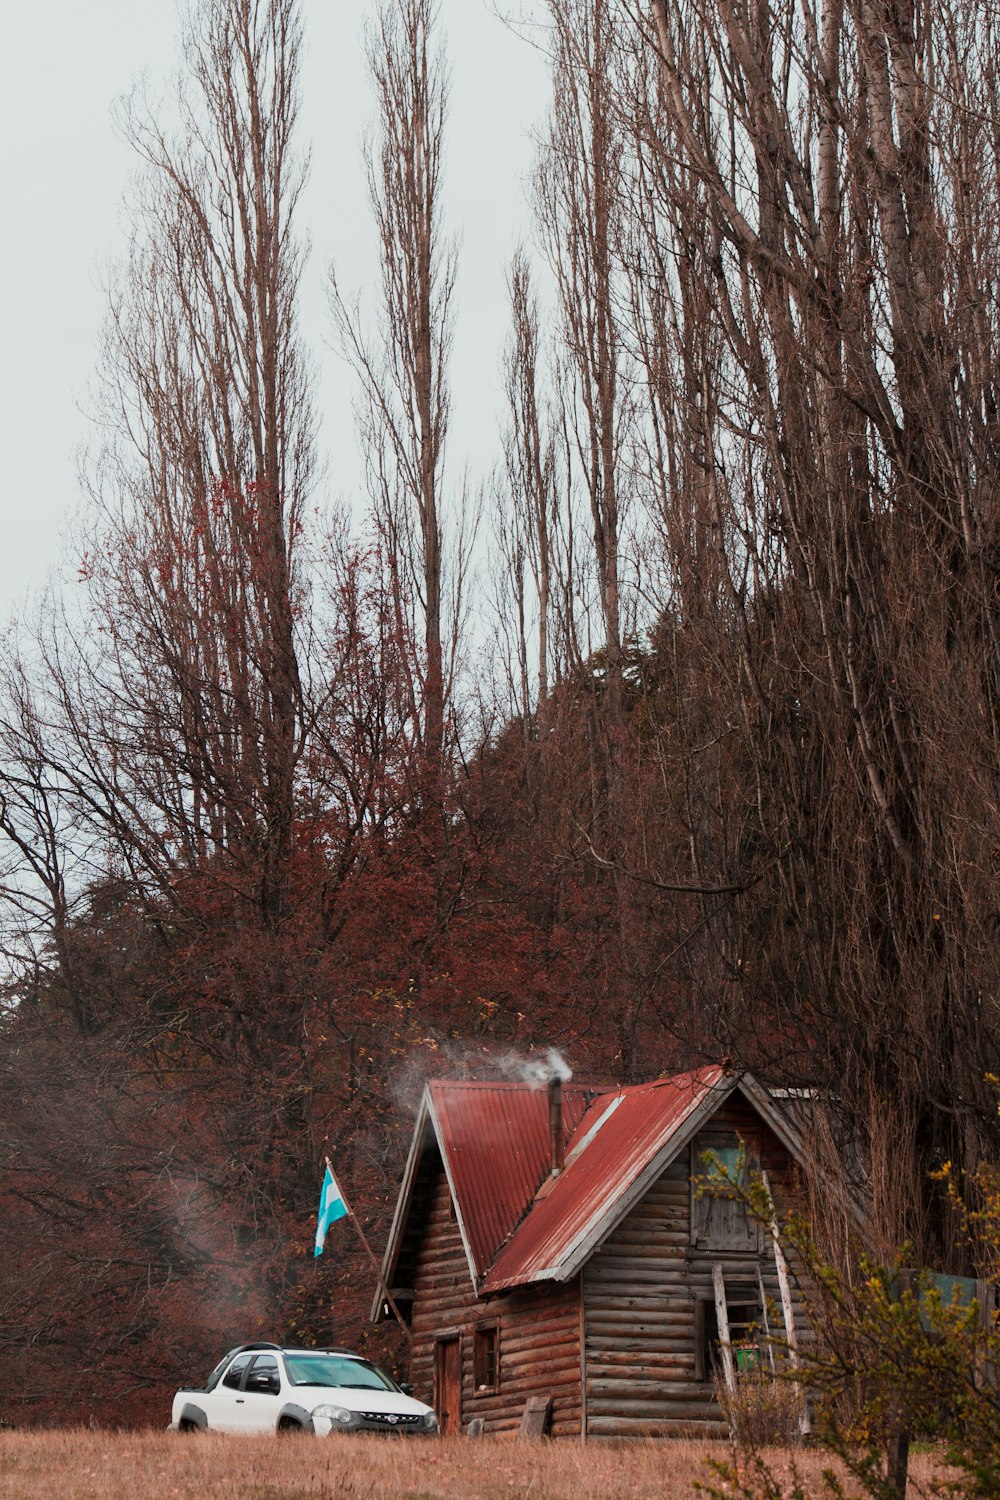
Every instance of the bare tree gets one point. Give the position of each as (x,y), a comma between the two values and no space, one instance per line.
(818,180)
(406,401)
(529,450)
(192,568)
(577,204)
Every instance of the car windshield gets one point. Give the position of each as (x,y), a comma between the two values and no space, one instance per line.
(334,1369)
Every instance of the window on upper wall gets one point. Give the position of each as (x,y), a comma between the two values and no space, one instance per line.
(486,1357)
(720,1221)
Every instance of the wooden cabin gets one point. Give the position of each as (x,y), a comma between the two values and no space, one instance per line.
(552,1243)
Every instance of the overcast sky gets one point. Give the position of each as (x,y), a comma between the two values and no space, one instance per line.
(65,173)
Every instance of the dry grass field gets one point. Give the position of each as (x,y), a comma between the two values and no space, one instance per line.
(88,1465)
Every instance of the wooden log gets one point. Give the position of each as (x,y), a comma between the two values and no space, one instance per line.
(670,1356)
(651,1358)
(554,1331)
(662,1400)
(666,1364)
(649,1275)
(697,1409)
(532,1376)
(641,1322)
(653,1391)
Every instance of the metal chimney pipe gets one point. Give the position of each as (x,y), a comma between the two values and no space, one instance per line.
(557,1144)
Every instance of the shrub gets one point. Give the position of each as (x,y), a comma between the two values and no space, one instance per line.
(763,1411)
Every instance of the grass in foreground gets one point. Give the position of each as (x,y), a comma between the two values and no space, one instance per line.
(85,1465)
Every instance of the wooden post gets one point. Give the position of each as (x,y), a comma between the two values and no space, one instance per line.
(383,1290)
(986,1300)
(787,1310)
(763,1311)
(722,1319)
(898,1454)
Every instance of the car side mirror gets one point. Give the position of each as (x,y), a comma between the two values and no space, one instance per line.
(268,1384)
(406,1388)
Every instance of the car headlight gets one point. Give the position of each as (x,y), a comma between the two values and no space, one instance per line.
(335,1414)
(430,1422)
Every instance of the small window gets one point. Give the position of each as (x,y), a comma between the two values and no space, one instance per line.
(486,1362)
(236,1371)
(719,1220)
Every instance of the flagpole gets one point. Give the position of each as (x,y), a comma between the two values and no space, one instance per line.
(383,1289)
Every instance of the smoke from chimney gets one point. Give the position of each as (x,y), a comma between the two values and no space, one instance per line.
(539,1070)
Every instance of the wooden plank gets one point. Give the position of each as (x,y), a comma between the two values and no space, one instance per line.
(722,1319)
(763,1311)
(537,1416)
(787,1309)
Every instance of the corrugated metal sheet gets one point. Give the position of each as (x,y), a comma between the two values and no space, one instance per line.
(495,1138)
(601,1166)
(519,1224)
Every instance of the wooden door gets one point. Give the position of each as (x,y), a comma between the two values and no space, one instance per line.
(448,1384)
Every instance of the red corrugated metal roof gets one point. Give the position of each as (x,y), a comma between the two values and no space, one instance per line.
(522,1225)
(495,1139)
(622,1133)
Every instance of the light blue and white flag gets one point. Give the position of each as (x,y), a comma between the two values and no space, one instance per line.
(331,1208)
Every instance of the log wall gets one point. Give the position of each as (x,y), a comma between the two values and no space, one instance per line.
(640,1290)
(538,1328)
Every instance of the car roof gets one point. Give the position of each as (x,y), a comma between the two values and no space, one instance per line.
(348,1353)
(260,1345)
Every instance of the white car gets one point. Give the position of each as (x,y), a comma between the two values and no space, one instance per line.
(267,1388)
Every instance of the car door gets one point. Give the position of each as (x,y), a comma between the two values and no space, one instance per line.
(261,1395)
(224,1407)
